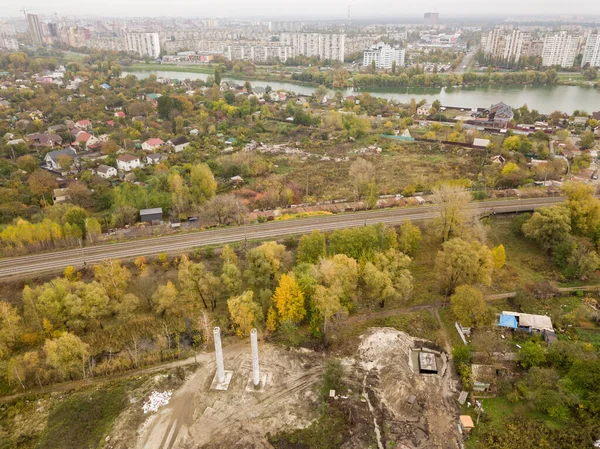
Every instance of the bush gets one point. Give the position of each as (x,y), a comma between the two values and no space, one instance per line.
(333,378)
(517,224)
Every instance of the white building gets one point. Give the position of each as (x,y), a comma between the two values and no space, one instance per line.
(560,49)
(505,44)
(383,56)
(143,44)
(106,171)
(322,46)
(591,52)
(9,43)
(127,162)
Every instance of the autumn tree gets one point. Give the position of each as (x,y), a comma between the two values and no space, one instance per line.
(27,163)
(377,284)
(203,184)
(68,355)
(499,256)
(223,209)
(452,212)
(168,302)
(469,306)
(583,206)
(409,238)
(340,274)
(197,282)
(460,262)
(311,247)
(11,327)
(180,193)
(289,300)
(548,226)
(246,313)
(362,173)
(264,265)
(41,182)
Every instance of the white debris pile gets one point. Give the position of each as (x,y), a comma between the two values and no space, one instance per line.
(156,400)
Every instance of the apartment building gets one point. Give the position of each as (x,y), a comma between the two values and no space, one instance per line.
(322,46)
(591,51)
(383,56)
(508,45)
(9,43)
(143,44)
(258,52)
(560,49)
(35,29)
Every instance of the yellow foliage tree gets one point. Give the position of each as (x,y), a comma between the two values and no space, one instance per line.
(289,300)
(499,256)
(245,313)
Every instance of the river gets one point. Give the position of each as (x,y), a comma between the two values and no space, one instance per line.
(543,98)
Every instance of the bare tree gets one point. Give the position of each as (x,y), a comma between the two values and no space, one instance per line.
(223,209)
(362,173)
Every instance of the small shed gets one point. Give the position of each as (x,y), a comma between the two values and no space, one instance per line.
(151,215)
(481,143)
(466,423)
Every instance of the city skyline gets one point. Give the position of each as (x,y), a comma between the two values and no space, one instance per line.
(311,9)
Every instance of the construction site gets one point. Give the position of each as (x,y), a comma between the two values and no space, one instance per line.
(398,393)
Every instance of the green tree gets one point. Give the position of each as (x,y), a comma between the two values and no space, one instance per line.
(548,226)
(68,355)
(377,284)
(196,282)
(77,216)
(114,277)
(453,211)
(460,262)
(264,265)
(531,354)
(409,238)
(245,313)
(584,207)
(218,75)
(587,140)
(168,302)
(311,248)
(469,306)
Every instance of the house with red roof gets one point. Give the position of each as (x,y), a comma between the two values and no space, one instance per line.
(85,139)
(84,124)
(152,144)
(119,114)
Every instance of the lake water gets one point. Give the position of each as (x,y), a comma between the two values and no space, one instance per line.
(543,98)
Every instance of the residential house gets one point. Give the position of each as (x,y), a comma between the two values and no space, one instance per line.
(86,140)
(44,140)
(154,158)
(152,144)
(60,195)
(84,124)
(53,158)
(119,114)
(106,171)
(153,97)
(128,162)
(500,115)
(498,159)
(179,143)
(425,109)
(526,322)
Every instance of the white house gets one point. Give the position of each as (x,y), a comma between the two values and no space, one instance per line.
(152,144)
(425,109)
(106,171)
(128,162)
(155,158)
(179,143)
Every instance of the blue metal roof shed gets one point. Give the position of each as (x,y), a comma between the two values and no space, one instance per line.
(508,321)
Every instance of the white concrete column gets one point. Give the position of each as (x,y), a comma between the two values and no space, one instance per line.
(219,355)
(255,368)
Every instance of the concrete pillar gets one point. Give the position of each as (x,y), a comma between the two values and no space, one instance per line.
(255,368)
(219,355)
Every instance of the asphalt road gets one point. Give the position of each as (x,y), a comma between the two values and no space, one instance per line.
(176,244)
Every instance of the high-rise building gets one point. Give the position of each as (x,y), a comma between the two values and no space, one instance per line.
(383,56)
(508,45)
(143,44)
(35,30)
(560,49)
(322,46)
(431,18)
(591,52)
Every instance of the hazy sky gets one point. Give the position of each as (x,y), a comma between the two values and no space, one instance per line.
(302,8)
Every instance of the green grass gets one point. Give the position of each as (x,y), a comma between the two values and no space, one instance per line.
(172,68)
(83,420)
(448,320)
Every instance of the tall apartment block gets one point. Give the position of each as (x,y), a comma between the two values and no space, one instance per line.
(560,49)
(143,44)
(591,51)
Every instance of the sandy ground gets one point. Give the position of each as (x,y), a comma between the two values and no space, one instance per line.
(382,377)
(198,417)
